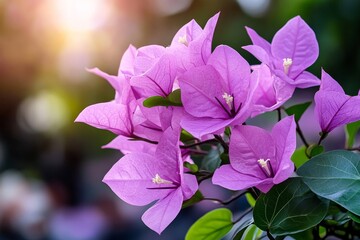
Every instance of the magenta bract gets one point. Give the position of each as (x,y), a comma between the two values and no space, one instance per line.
(141,178)
(258,158)
(333,107)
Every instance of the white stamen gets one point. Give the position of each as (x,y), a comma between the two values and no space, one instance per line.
(158,180)
(265,165)
(183,40)
(287,62)
(228,99)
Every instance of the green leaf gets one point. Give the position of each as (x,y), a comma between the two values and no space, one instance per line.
(225,158)
(252,232)
(335,175)
(192,167)
(227,131)
(212,226)
(175,97)
(240,227)
(186,136)
(289,208)
(297,110)
(250,199)
(155,101)
(307,234)
(351,130)
(212,160)
(197,197)
(299,157)
(354,217)
(314,150)
(322,231)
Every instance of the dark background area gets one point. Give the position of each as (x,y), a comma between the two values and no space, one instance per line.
(50,168)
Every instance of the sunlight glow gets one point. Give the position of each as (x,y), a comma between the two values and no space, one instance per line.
(80,15)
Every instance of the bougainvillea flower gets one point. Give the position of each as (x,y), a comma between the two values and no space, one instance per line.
(216,95)
(258,158)
(141,178)
(333,107)
(192,44)
(270,92)
(158,80)
(111,116)
(293,49)
(120,83)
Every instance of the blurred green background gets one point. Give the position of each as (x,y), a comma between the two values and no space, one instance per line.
(50,168)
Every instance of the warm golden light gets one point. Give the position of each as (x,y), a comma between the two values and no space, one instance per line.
(80,15)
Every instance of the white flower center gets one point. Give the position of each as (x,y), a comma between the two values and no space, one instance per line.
(158,180)
(287,62)
(228,99)
(183,40)
(265,165)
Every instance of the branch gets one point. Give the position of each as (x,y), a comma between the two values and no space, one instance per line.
(199,143)
(222,142)
(301,135)
(228,201)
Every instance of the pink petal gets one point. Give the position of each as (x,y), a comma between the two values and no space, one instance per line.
(258,41)
(307,79)
(229,178)
(329,84)
(200,48)
(146,57)
(191,31)
(131,179)
(199,127)
(159,216)
(115,82)
(248,144)
(159,80)
(259,53)
(127,61)
(152,114)
(126,146)
(110,116)
(199,89)
(349,112)
(265,92)
(148,130)
(168,155)
(327,106)
(189,186)
(265,186)
(234,69)
(296,40)
(284,135)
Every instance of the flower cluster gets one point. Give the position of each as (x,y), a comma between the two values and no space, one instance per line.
(169,101)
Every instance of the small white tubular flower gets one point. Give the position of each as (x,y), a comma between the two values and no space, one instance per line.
(158,180)
(183,40)
(287,62)
(228,99)
(265,165)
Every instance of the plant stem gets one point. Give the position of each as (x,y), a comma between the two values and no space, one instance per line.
(137,138)
(279,113)
(353,149)
(199,143)
(228,201)
(323,135)
(301,135)
(222,142)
